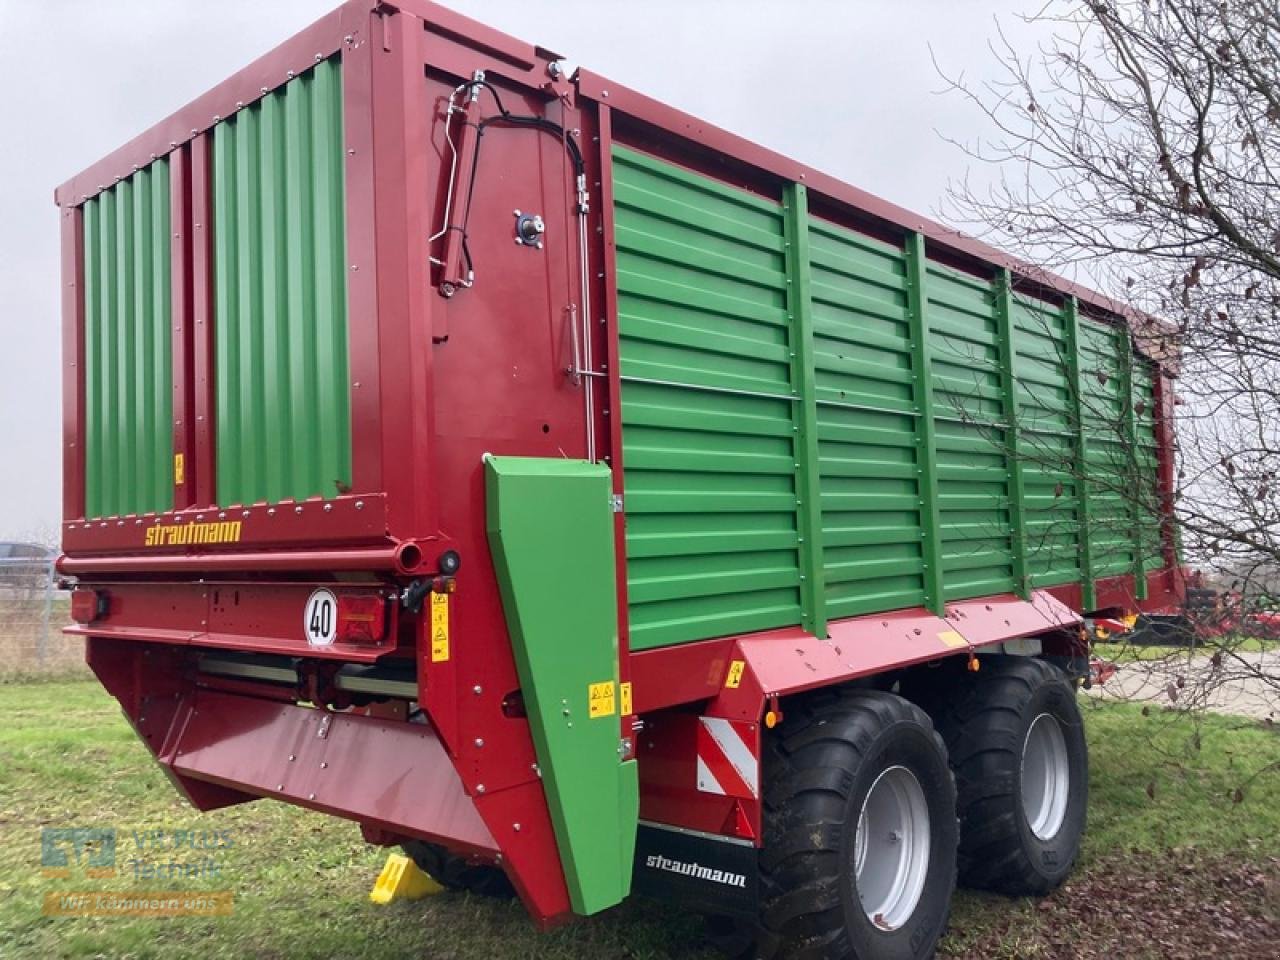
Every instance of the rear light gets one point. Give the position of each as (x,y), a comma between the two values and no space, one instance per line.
(362,618)
(87,605)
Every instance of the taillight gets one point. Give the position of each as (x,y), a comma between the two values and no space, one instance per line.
(362,618)
(87,605)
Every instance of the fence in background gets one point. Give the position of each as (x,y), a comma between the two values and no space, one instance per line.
(33,612)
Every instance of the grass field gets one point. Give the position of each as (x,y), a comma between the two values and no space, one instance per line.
(1170,839)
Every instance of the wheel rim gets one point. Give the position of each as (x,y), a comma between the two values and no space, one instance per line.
(1046,777)
(891,848)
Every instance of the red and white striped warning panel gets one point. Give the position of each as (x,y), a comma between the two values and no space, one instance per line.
(728,758)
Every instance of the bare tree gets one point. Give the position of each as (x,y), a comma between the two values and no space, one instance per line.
(1138,150)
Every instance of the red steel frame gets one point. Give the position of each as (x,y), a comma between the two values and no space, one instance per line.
(416,480)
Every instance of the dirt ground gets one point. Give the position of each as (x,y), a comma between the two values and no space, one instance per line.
(1179,905)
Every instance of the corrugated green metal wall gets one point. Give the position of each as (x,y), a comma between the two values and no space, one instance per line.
(817,424)
(128,360)
(281,368)
(707,407)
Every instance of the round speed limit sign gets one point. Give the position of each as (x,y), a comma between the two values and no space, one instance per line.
(320,618)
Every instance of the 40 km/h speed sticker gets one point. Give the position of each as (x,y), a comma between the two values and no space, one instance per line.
(320,618)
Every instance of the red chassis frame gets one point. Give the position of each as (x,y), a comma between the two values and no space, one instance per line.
(416,480)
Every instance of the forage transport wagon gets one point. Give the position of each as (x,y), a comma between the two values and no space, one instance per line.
(589,500)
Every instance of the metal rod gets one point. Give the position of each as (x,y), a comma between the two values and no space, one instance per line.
(380,559)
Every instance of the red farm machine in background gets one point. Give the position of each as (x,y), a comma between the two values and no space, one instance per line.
(554,484)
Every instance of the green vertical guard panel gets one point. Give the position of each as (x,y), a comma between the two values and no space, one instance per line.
(128,376)
(550,529)
(708,421)
(283,414)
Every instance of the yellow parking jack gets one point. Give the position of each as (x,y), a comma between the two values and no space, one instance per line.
(402,879)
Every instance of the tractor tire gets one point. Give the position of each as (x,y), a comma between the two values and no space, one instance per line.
(1016,742)
(456,873)
(860,832)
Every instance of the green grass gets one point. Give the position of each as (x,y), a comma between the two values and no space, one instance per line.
(301,880)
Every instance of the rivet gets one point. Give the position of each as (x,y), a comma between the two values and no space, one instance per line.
(311,796)
(479,741)
(359,504)
(324,764)
(515,827)
(297,509)
(328,507)
(479,788)
(477,690)
(271,511)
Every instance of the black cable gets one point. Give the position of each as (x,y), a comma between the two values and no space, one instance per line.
(518,120)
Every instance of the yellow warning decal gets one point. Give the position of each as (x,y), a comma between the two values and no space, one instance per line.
(600,700)
(625,688)
(734,679)
(179,470)
(439,627)
(952,639)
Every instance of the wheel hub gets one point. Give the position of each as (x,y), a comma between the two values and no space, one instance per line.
(1046,777)
(891,848)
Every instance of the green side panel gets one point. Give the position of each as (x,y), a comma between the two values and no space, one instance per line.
(972,445)
(1016,458)
(280,305)
(1145,447)
(708,407)
(551,533)
(872,494)
(1104,361)
(1081,427)
(128,347)
(1046,440)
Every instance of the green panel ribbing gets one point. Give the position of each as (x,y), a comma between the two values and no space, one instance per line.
(926,432)
(1089,594)
(550,530)
(708,406)
(1013,436)
(281,359)
(808,487)
(128,346)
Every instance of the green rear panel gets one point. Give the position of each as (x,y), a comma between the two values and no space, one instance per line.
(128,373)
(283,391)
(708,412)
(550,529)
(771,359)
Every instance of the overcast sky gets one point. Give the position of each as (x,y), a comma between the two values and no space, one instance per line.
(844,85)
